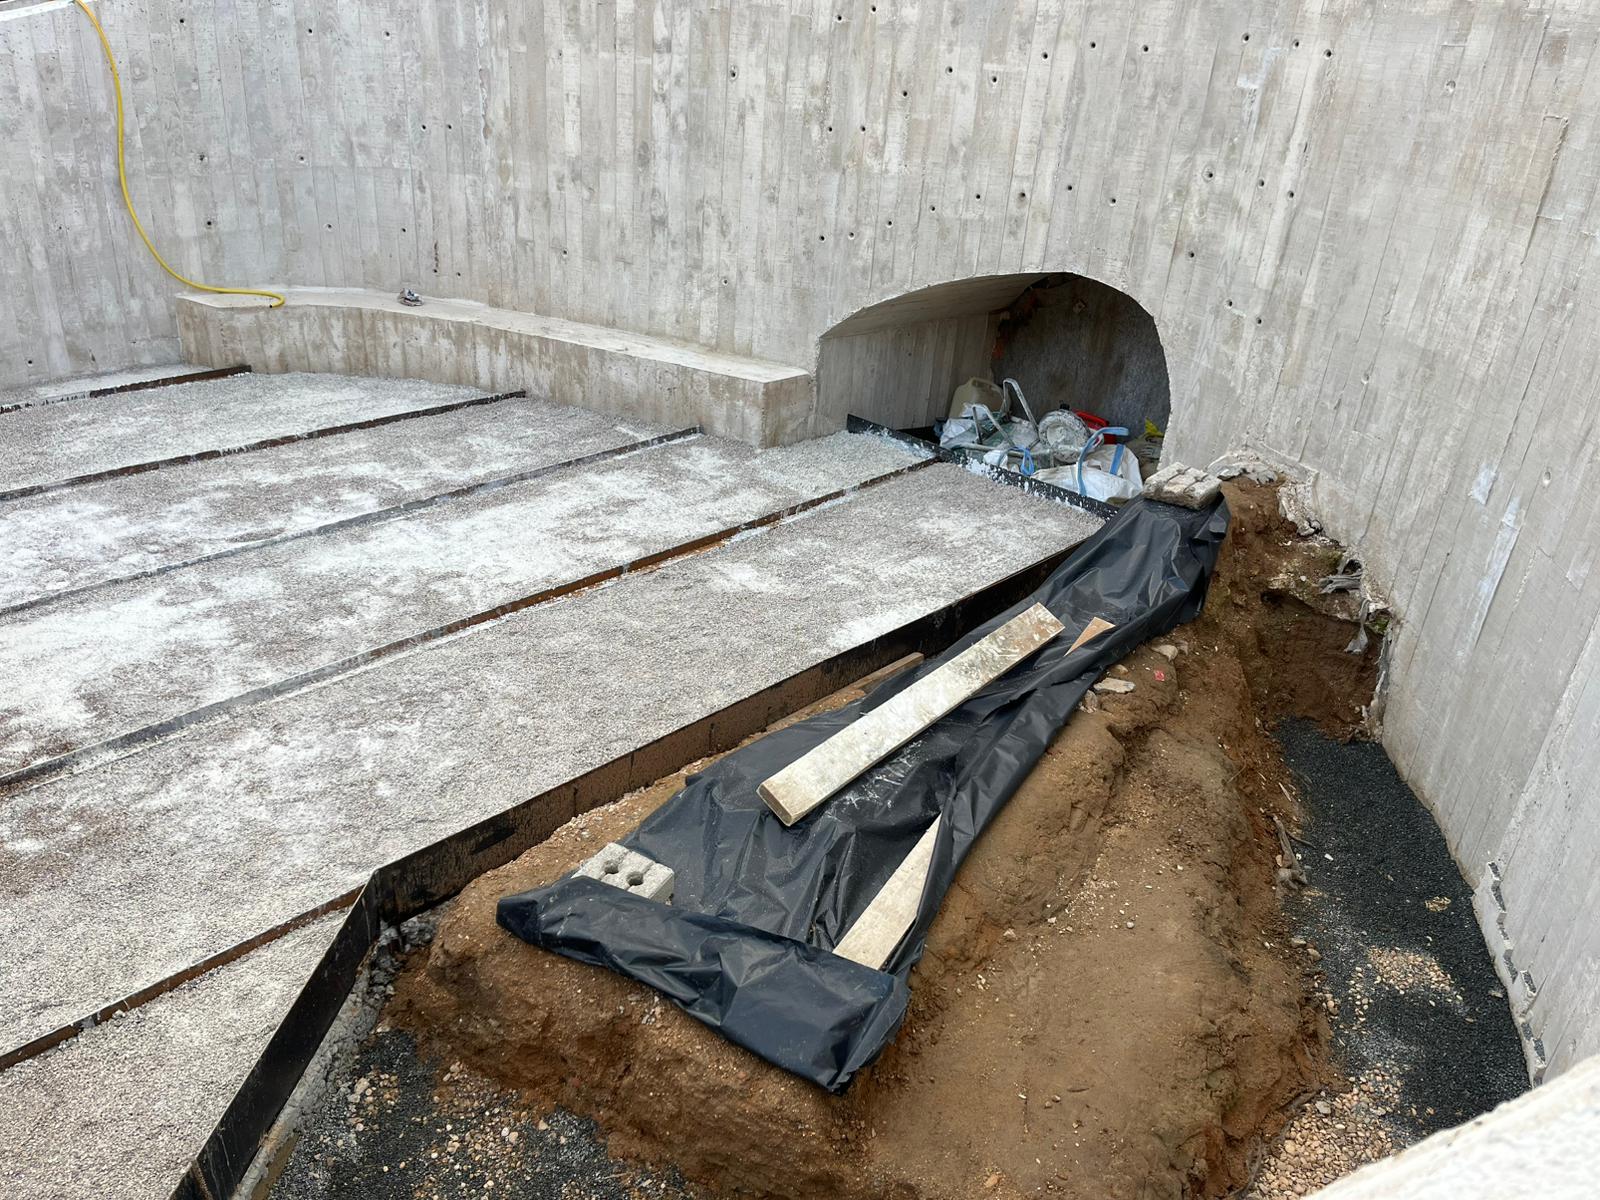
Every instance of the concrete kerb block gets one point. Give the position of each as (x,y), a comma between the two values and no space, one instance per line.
(619,867)
(1187,487)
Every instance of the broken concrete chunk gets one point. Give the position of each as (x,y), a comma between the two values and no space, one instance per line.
(1167,651)
(1119,686)
(1243,463)
(1188,487)
(631,871)
(1294,502)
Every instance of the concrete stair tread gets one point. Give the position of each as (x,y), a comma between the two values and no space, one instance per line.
(134,655)
(207,838)
(59,442)
(82,536)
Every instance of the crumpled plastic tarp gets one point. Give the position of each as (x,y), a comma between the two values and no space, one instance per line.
(745,944)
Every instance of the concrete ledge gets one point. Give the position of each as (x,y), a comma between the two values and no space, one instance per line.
(355,332)
(1540,1144)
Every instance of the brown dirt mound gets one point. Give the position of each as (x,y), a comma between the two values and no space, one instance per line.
(1107,1006)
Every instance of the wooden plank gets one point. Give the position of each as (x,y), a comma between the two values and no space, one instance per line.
(816,775)
(884,922)
(1090,631)
(881,925)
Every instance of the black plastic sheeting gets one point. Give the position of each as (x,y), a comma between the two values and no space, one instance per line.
(757,907)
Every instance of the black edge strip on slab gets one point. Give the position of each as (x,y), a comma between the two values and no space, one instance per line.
(137,386)
(86,756)
(428,876)
(973,462)
(376,516)
(161,987)
(34,489)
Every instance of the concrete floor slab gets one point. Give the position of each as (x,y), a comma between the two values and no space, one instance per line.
(80,536)
(120,1111)
(198,842)
(59,390)
(136,655)
(64,441)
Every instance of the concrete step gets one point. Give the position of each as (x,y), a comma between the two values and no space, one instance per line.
(130,660)
(196,843)
(90,387)
(79,537)
(62,444)
(122,1109)
(366,332)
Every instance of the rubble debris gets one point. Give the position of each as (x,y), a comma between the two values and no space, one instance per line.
(1329,584)
(1117,686)
(1294,502)
(1187,487)
(1243,463)
(1290,869)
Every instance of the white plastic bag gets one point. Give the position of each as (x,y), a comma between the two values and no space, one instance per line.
(1098,481)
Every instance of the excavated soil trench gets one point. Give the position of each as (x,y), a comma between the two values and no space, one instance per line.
(1108,1007)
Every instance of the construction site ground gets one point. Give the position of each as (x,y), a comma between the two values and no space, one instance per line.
(1120,997)
(262,635)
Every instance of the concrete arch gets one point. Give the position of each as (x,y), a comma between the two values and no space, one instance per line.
(1069,339)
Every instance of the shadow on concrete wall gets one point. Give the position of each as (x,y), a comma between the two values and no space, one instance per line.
(1070,341)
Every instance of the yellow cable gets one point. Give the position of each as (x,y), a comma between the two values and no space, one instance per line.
(122,176)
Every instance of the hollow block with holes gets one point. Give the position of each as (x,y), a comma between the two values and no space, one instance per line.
(631,871)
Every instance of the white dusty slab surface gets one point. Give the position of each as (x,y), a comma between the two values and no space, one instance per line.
(129,656)
(120,1111)
(85,535)
(61,390)
(63,441)
(200,841)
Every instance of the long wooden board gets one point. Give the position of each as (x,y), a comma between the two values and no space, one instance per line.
(813,777)
(1091,631)
(881,925)
(884,922)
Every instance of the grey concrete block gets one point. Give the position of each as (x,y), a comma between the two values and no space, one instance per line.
(1189,487)
(631,871)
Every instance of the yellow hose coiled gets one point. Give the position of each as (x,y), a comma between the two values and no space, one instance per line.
(122,176)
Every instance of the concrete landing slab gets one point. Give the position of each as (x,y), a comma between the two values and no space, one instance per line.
(634,375)
(80,536)
(202,840)
(47,445)
(135,655)
(120,1111)
(59,390)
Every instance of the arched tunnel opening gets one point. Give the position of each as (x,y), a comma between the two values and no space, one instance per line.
(1030,352)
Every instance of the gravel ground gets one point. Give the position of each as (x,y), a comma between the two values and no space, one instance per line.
(404,1127)
(1420,1022)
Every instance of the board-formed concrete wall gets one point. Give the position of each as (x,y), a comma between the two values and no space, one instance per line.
(1367,235)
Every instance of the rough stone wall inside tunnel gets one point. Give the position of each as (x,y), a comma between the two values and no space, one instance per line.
(1366,234)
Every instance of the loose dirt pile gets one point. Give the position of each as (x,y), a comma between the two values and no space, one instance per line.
(1108,1006)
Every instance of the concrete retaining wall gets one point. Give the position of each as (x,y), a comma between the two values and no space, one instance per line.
(1366,234)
